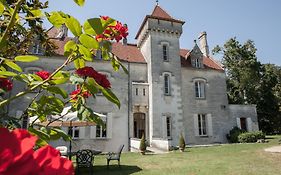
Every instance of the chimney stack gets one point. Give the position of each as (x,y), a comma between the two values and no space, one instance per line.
(203,43)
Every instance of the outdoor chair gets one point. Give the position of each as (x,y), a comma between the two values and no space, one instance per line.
(84,159)
(62,150)
(115,156)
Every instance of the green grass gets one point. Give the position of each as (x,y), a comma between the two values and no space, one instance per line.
(232,159)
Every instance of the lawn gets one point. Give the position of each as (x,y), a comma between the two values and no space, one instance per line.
(229,159)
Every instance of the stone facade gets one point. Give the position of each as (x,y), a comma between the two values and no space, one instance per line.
(168,91)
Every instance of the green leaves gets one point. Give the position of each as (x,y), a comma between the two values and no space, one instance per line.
(69,47)
(95,24)
(89,41)
(110,96)
(60,78)
(57,90)
(2,8)
(7,73)
(73,25)
(56,18)
(26,58)
(86,53)
(79,63)
(79,2)
(13,65)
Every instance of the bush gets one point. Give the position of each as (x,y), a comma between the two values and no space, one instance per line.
(142,144)
(181,142)
(250,137)
(232,137)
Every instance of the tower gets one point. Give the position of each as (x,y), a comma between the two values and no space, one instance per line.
(158,40)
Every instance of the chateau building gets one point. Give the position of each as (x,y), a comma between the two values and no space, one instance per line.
(169,91)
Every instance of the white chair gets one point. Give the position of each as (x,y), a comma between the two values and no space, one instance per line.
(62,150)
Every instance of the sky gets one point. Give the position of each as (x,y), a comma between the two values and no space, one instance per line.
(258,20)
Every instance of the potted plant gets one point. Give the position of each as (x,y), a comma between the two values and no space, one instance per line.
(142,145)
(181,143)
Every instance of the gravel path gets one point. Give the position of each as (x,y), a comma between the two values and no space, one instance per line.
(274,149)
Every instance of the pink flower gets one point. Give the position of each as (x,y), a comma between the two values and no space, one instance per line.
(17,156)
(6,84)
(75,93)
(85,71)
(43,74)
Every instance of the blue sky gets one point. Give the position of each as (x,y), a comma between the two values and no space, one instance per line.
(259,21)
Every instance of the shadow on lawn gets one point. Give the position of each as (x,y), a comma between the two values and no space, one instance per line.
(112,169)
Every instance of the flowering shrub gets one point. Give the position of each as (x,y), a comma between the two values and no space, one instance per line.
(17,154)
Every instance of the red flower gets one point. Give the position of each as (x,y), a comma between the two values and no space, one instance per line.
(43,74)
(6,84)
(75,93)
(85,71)
(17,154)
(104,17)
(102,80)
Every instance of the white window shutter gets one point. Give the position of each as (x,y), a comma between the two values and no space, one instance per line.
(210,125)
(202,88)
(92,132)
(238,122)
(81,132)
(109,126)
(249,124)
(196,129)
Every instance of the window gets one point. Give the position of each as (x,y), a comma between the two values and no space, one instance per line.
(199,89)
(37,49)
(143,92)
(137,91)
(73,132)
(167,84)
(101,131)
(243,124)
(197,63)
(168,126)
(202,125)
(165,53)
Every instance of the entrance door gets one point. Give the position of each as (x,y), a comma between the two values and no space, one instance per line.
(243,124)
(139,125)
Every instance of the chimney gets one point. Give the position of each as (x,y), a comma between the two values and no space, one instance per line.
(62,32)
(203,43)
(125,41)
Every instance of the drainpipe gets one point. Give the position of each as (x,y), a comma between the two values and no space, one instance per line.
(129,104)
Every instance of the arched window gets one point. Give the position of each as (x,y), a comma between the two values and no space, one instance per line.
(167,90)
(199,89)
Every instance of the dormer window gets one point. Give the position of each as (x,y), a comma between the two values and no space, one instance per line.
(165,52)
(197,63)
(37,49)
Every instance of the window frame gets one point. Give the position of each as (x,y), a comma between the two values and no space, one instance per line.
(165,52)
(100,132)
(72,131)
(202,125)
(200,89)
(168,127)
(167,84)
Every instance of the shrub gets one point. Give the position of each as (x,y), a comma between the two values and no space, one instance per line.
(181,142)
(250,137)
(232,137)
(142,144)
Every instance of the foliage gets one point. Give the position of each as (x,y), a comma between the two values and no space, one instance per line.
(232,137)
(142,143)
(250,137)
(181,142)
(250,82)
(21,27)
(19,155)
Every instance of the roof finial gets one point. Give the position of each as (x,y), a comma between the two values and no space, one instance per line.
(157,2)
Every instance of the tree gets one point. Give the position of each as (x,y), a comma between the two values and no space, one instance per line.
(250,82)
(20,25)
